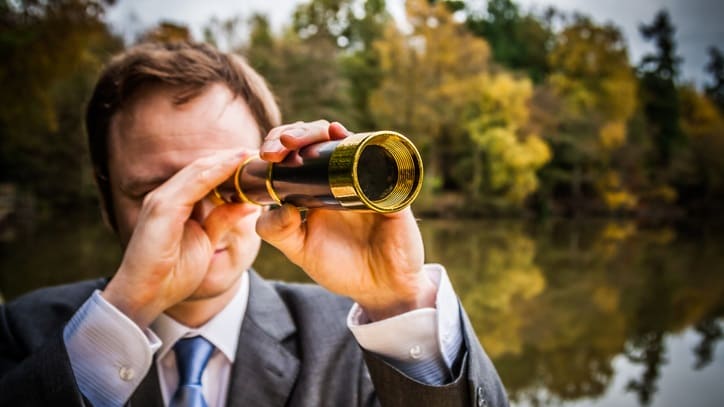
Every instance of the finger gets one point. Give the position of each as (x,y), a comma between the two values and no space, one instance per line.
(283,229)
(310,133)
(272,149)
(192,183)
(225,217)
(284,139)
(337,131)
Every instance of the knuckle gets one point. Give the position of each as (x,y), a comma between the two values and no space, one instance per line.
(321,122)
(153,202)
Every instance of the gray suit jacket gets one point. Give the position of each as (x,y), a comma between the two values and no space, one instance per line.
(294,350)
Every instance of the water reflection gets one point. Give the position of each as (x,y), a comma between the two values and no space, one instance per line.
(583,314)
(555,303)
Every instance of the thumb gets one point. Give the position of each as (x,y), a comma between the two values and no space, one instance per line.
(283,229)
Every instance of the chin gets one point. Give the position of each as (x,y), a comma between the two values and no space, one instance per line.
(215,288)
(218,280)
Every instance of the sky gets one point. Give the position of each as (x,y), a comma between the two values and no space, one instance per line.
(699,23)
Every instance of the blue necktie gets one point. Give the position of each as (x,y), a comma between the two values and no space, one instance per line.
(192,355)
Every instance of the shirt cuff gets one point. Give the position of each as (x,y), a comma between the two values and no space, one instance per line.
(108,352)
(423,343)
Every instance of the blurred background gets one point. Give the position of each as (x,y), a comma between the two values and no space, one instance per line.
(574,159)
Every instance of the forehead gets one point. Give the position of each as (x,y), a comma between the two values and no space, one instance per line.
(153,134)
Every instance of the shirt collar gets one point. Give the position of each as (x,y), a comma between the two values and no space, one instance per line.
(222,330)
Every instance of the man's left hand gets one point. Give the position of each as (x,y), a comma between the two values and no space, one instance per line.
(375,259)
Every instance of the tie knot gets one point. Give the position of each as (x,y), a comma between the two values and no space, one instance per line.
(192,355)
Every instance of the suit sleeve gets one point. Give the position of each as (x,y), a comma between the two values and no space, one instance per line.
(43,378)
(475,381)
(423,343)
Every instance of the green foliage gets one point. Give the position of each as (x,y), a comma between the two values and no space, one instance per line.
(699,168)
(519,41)
(715,67)
(659,94)
(305,74)
(590,96)
(51,53)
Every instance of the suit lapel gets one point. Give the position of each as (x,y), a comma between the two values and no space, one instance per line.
(148,392)
(266,364)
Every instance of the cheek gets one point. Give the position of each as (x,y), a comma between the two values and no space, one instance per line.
(126,218)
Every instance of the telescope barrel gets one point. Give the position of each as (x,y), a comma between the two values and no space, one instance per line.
(377,171)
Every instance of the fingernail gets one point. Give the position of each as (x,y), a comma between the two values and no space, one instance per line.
(272,146)
(294,132)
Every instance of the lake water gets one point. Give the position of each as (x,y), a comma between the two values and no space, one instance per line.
(588,313)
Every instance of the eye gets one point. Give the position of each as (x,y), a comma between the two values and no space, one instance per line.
(140,193)
(138,196)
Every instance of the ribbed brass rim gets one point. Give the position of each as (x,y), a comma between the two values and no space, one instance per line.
(344,180)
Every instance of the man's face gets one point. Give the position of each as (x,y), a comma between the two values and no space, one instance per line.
(153,138)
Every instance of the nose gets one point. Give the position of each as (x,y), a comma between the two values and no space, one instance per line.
(202,209)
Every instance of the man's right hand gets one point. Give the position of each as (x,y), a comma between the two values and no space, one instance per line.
(169,251)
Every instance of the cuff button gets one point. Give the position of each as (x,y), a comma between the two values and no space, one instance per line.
(126,373)
(416,352)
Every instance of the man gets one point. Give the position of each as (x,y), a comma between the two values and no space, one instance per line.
(184,321)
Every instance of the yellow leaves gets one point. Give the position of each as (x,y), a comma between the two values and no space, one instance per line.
(437,85)
(615,196)
(618,231)
(612,135)
(507,97)
(663,193)
(512,163)
(512,277)
(700,117)
(619,200)
(618,95)
(501,106)
(419,69)
(539,151)
(578,100)
(606,298)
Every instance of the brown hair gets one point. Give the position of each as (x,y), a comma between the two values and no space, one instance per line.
(189,67)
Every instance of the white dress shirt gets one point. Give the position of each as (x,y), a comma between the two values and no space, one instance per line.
(110,354)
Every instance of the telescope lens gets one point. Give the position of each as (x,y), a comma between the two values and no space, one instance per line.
(377,172)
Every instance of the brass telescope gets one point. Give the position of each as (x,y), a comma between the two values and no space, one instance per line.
(378,171)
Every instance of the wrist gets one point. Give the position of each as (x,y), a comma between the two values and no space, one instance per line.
(421,294)
(142,313)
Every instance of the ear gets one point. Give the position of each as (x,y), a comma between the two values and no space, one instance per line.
(104,213)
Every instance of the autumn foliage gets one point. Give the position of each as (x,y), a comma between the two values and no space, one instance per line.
(514,112)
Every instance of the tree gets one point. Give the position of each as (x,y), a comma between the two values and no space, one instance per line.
(51,53)
(416,68)
(439,88)
(699,170)
(715,67)
(353,26)
(167,32)
(505,159)
(583,110)
(518,41)
(658,90)
(304,73)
